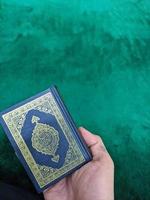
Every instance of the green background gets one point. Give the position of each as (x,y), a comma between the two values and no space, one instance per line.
(98,54)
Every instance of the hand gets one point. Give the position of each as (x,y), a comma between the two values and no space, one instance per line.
(93,181)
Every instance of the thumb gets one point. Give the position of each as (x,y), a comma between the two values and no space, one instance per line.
(94,142)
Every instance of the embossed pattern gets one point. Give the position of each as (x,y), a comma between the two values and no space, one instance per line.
(15,120)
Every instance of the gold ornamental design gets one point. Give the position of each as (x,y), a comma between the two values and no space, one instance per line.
(47,104)
(45,139)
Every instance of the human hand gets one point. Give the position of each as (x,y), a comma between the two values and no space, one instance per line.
(94,180)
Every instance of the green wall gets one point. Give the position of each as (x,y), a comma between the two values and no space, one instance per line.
(98,54)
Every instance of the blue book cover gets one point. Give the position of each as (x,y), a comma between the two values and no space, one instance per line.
(45,138)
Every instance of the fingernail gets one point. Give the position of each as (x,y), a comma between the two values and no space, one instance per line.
(81,127)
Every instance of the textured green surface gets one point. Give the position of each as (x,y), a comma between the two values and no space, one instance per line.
(98,54)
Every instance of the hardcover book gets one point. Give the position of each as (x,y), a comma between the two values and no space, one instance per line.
(45,138)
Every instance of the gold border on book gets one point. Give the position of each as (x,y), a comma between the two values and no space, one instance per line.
(34,167)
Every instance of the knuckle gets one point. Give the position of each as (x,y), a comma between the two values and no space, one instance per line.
(113,165)
(98,138)
(108,159)
(111,162)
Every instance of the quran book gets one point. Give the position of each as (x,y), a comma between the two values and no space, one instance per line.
(45,138)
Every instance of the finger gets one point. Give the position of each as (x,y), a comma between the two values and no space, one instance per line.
(90,138)
(94,142)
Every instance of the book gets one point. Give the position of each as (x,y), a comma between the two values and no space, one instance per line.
(45,138)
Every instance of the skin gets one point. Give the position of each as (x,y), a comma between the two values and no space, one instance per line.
(95,180)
